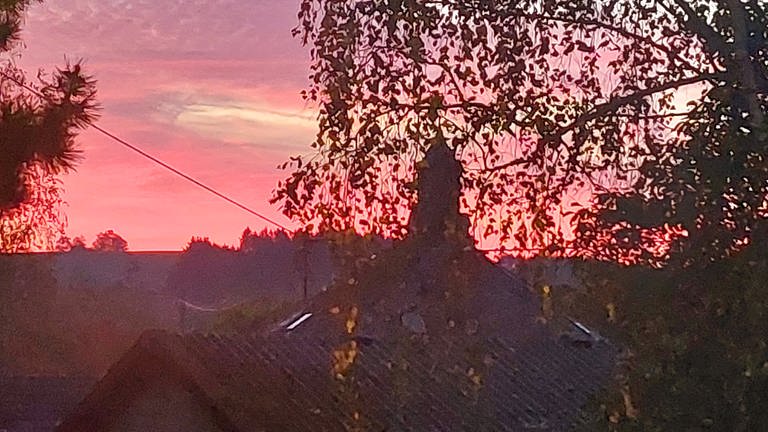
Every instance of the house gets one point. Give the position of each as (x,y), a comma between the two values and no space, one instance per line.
(389,353)
(430,336)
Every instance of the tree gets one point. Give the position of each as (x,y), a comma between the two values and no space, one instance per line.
(66,244)
(650,114)
(253,242)
(695,356)
(204,272)
(38,124)
(38,222)
(109,241)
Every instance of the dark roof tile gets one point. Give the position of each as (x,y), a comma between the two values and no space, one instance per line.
(511,375)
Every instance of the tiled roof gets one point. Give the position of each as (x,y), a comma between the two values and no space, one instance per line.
(290,382)
(443,384)
(483,364)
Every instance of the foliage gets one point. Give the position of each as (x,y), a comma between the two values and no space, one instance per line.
(36,139)
(267,264)
(247,316)
(696,356)
(109,241)
(252,242)
(66,244)
(649,117)
(38,223)
(39,132)
(11,12)
(203,273)
(204,243)
(711,179)
(546,104)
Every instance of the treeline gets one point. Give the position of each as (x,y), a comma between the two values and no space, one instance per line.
(76,312)
(267,265)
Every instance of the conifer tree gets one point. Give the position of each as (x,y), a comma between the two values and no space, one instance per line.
(39,120)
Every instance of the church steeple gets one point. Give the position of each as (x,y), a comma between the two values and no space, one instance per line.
(435,218)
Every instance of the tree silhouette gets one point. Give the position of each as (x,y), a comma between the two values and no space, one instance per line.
(66,244)
(36,138)
(37,223)
(647,113)
(109,241)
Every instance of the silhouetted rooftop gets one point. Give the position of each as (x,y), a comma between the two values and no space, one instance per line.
(398,356)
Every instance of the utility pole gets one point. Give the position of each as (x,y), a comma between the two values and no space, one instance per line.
(302,260)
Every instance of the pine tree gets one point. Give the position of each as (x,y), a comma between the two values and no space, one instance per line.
(39,120)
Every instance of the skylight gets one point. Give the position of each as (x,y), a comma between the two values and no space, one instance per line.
(298,322)
(581,327)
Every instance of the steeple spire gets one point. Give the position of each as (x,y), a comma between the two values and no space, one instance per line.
(435,218)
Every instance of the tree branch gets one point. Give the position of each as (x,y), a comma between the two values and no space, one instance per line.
(618,102)
(606,108)
(610,27)
(698,26)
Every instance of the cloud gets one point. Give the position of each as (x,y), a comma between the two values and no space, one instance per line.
(255,114)
(255,125)
(168,29)
(211,87)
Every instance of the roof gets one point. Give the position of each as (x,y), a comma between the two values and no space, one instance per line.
(263,384)
(395,358)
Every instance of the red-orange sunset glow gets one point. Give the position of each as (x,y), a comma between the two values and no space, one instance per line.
(210,87)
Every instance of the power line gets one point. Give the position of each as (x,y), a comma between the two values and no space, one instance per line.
(189,178)
(159,162)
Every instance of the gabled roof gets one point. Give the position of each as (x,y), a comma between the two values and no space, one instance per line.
(382,359)
(290,383)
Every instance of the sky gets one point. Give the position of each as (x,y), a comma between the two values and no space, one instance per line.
(209,86)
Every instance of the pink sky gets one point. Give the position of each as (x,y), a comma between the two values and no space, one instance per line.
(209,86)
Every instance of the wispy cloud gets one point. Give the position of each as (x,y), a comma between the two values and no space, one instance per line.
(286,130)
(211,87)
